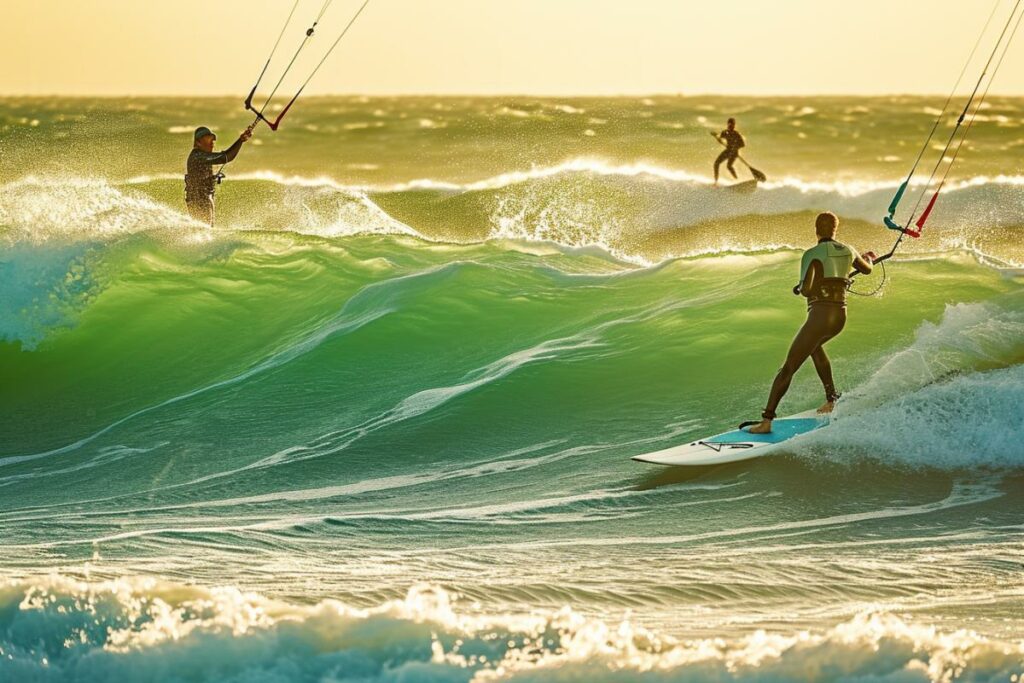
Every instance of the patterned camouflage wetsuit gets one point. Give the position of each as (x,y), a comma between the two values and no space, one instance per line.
(200,181)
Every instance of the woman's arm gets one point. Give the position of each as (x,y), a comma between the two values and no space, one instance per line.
(815,272)
(862,264)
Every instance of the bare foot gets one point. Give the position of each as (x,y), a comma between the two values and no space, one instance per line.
(826,407)
(762,427)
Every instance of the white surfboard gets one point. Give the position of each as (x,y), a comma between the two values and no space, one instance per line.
(737,444)
(743,187)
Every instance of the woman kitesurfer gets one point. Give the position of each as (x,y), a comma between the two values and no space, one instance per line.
(824,278)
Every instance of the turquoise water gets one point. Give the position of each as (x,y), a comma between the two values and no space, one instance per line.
(377,423)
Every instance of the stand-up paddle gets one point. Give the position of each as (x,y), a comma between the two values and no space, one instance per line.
(758,175)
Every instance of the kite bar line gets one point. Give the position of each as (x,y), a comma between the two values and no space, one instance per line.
(273,124)
(277,42)
(1000,48)
(945,107)
(956,153)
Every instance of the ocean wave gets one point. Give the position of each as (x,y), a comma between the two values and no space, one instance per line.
(368,304)
(142,629)
(847,188)
(970,422)
(949,400)
(644,213)
(968,337)
(639,213)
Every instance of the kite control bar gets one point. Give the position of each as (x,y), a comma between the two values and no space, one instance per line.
(259,113)
(893,225)
(273,124)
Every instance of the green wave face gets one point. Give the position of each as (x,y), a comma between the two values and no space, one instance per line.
(273,391)
(681,338)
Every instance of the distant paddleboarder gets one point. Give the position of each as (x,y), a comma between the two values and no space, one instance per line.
(824,278)
(200,180)
(734,142)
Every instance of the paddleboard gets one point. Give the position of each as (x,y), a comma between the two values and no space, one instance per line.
(746,187)
(735,445)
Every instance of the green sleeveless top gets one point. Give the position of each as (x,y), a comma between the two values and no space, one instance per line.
(836,258)
(837,261)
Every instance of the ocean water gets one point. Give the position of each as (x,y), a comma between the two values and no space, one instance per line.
(376,424)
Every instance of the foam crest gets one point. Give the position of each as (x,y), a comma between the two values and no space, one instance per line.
(639,213)
(326,210)
(42,210)
(970,422)
(37,210)
(572,166)
(144,629)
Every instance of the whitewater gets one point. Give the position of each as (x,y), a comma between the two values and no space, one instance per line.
(376,424)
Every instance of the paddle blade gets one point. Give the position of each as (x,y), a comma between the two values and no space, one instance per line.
(758,176)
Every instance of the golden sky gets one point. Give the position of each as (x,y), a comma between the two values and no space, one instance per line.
(559,47)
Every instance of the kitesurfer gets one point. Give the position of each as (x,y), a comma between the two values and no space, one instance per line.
(824,273)
(200,180)
(734,142)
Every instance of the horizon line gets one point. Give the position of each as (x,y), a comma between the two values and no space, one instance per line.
(83,95)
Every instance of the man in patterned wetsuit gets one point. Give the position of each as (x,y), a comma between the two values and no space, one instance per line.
(200,180)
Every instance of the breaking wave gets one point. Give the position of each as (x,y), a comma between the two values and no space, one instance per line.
(151,630)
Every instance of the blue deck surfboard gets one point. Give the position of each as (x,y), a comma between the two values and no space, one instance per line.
(735,445)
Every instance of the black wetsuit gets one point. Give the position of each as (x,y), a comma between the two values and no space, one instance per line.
(734,142)
(826,317)
(200,181)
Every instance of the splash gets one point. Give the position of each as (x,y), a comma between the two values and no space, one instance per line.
(38,210)
(950,400)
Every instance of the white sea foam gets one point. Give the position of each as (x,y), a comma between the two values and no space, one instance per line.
(968,422)
(62,629)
